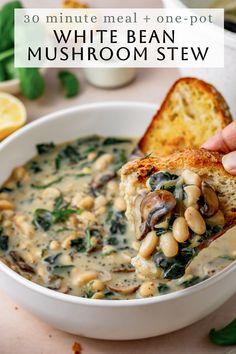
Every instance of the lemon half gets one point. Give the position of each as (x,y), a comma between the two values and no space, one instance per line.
(12,114)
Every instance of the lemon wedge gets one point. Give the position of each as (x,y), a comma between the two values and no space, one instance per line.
(12,114)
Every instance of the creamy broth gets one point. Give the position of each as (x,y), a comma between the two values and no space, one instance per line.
(63,224)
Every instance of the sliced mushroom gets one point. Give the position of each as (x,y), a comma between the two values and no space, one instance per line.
(20,262)
(211,201)
(102,180)
(124,290)
(153,207)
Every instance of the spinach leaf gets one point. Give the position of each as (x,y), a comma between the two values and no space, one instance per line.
(224,336)
(43,186)
(163,288)
(211,231)
(5,190)
(118,223)
(160,231)
(174,267)
(120,158)
(195,280)
(31,82)
(43,219)
(88,294)
(69,82)
(34,167)
(7,24)
(113,241)
(114,141)
(52,259)
(159,181)
(93,140)
(79,244)
(3,240)
(59,269)
(69,153)
(45,148)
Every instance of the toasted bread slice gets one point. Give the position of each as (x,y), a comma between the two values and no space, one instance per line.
(192,112)
(215,204)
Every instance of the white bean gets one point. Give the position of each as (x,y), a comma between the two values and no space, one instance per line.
(191,177)
(180,229)
(119,204)
(86,203)
(193,194)
(148,288)
(148,245)
(100,201)
(19,173)
(5,205)
(54,245)
(195,221)
(103,162)
(169,245)
(98,285)
(86,277)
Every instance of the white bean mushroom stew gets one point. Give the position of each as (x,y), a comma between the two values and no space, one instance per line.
(63,225)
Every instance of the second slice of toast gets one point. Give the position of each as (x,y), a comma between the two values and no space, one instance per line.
(192,112)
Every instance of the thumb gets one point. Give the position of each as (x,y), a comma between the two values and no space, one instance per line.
(229,162)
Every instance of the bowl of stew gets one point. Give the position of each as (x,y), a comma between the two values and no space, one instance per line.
(65,243)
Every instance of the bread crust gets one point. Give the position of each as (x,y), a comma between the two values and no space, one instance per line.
(220,106)
(187,158)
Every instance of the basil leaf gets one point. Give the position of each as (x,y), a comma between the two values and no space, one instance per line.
(224,336)
(31,82)
(69,82)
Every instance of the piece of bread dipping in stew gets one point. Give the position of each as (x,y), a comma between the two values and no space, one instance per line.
(178,205)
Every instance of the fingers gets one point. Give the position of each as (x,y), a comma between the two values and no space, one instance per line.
(224,141)
(229,162)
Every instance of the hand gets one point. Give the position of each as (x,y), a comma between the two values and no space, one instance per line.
(225,142)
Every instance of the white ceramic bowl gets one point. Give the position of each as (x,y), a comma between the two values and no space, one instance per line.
(222,78)
(104,319)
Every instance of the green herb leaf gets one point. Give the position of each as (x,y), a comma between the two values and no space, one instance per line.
(31,83)
(43,186)
(69,82)
(224,336)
